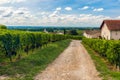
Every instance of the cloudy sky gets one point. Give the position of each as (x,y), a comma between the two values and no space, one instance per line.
(80,13)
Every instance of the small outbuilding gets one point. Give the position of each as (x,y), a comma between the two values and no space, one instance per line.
(110,29)
(92,33)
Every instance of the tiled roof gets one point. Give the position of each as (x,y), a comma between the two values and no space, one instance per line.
(92,32)
(111,24)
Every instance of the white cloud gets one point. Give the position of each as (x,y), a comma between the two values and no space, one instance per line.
(68,8)
(16,16)
(19,1)
(92,20)
(22,16)
(72,20)
(85,7)
(56,12)
(10,11)
(43,13)
(21,10)
(58,9)
(6,11)
(118,17)
(98,9)
(11,1)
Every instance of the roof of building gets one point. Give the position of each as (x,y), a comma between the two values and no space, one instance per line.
(94,33)
(111,24)
(91,32)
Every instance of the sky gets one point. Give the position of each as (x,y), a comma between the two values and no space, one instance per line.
(73,13)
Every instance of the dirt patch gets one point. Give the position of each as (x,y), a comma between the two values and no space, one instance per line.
(4,77)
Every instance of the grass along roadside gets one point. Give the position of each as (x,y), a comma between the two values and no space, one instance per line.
(28,67)
(102,67)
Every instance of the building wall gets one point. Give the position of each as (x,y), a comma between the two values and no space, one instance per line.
(87,35)
(115,35)
(84,34)
(105,32)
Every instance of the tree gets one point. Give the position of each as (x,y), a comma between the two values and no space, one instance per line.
(3,26)
(73,32)
(65,31)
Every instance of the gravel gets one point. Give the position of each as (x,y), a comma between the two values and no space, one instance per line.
(73,64)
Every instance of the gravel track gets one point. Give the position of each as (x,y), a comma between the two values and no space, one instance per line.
(73,64)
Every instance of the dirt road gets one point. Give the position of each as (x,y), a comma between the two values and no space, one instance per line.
(73,64)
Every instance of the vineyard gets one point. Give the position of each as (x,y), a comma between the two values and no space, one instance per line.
(13,42)
(110,49)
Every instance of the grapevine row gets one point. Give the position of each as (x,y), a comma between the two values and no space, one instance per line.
(110,49)
(12,42)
